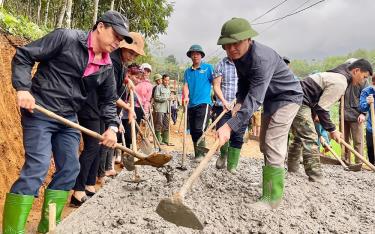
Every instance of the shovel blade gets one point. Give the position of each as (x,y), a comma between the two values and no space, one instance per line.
(155,160)
(202,149)
(174,211)
(355,167)
(146,147)
(128,162)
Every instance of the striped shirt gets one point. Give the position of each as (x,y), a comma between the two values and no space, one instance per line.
(227,71)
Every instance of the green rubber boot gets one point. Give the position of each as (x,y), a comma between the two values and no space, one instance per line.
(220,162)
(273,186)
(158,136)
(59,197)
(16,210)
(233,158)
(165,139)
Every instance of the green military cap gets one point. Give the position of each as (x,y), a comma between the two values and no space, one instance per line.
(195,48)
(157,77)
(235,30)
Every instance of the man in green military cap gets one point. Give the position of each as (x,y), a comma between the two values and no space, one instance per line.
(263,78)
(162,97)
(197,95)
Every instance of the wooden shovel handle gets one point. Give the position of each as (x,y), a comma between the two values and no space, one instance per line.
(85,130)
(202,165)
(147,121)
(358,155)
(325,145)
(213,124)
(184,136)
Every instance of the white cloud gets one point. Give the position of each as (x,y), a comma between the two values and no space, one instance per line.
(332,27)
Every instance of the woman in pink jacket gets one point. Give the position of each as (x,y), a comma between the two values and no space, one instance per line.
(144,91)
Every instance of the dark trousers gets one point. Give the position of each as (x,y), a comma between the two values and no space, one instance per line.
(43,137)
(90,158)
(198,119)
(370,147)
(174,112)
(138,111)
(127,133)
(236,138)
(105,155)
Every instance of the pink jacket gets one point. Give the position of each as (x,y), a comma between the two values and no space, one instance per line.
(144,91)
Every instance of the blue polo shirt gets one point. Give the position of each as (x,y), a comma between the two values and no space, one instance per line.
(199,81)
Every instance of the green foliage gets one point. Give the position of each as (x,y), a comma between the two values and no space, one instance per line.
(20,26)
(303,68)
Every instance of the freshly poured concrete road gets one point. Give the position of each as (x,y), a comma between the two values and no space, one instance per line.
(345,203)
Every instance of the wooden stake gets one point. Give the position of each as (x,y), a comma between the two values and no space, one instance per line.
(342,126)
(52,217)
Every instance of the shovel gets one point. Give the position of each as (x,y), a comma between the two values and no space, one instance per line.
(174,210)
(155,159)
(358,155)
(215,122)
(128,164)
(148,122)
(355,167)
(182,166)
(146,147)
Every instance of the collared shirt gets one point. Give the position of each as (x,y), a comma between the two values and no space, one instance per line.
(227,71)
(199,81)
(92,65)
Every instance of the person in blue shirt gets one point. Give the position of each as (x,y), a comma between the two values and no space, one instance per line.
(197,95)
(366,98)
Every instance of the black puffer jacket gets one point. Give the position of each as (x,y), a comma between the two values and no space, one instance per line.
(58,83)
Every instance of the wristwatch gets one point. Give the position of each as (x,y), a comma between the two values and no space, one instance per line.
(114,128)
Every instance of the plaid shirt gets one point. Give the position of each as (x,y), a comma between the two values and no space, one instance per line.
(227,71)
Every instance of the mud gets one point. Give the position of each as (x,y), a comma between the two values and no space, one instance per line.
(343,204)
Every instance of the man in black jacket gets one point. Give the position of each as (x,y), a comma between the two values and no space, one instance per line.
(89,116)
(72,64)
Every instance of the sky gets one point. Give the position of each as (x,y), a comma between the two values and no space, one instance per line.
(332,27)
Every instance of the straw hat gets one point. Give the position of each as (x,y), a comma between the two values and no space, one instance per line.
(137,45)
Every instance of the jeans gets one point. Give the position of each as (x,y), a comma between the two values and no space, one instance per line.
(44,137)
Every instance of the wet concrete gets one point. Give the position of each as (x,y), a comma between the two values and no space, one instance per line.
(345,203)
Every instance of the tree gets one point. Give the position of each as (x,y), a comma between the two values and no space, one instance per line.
(96,5)
(69,13)
(112,5)
(171,59)
(62,14)
(46,14)
(38,11)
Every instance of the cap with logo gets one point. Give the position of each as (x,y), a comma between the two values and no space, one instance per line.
(118,22)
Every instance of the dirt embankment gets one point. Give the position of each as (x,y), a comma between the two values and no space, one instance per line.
(11,142)
(11,148)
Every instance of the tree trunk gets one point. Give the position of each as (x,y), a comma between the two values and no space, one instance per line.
(69,13)
(62,14)
(38,12)
(46,14)
(112,4)
(1,3)
(95,17)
